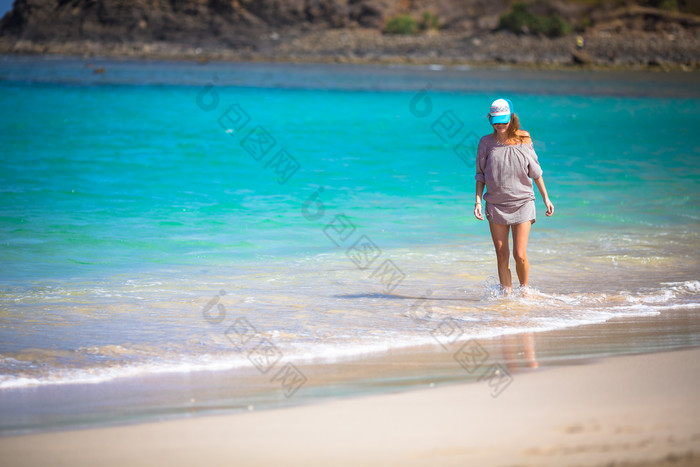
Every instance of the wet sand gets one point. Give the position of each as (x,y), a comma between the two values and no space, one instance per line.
(534,399)
(622,410)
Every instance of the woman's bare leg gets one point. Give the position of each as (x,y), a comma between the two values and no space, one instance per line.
(521,233)
(499,234)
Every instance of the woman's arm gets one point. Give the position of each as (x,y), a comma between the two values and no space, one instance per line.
(543,191)
(477,205)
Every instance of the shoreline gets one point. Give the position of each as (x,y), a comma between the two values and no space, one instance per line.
(603,51)
(624,410)
(189,396)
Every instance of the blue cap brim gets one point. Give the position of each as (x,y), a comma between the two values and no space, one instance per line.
(499,119)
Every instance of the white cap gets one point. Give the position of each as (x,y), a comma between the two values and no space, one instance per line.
(500,111)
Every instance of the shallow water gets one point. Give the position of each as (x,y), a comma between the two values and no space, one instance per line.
(173,217)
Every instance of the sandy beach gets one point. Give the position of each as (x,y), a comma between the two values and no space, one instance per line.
(628,410)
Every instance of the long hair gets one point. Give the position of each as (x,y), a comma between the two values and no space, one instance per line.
(513,128)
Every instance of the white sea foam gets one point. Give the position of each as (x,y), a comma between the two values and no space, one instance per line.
(305,324)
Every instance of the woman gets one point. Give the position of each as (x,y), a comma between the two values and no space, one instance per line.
(505,163)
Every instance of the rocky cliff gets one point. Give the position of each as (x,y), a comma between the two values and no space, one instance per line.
(350,30)
(216,21)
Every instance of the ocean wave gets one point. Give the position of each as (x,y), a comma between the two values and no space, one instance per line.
(377,323)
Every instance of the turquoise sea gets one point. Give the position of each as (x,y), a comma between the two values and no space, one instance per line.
(165,218)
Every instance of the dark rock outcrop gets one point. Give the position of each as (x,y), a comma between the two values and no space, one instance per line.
(229,22)
(347,31)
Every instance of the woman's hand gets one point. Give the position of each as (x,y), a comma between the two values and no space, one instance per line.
(550,207)
(543,191)
(477,201)
(477,211)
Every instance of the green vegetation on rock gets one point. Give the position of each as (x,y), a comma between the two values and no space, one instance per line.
(401,24)
(406,24)
(430,21)
(520,21)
